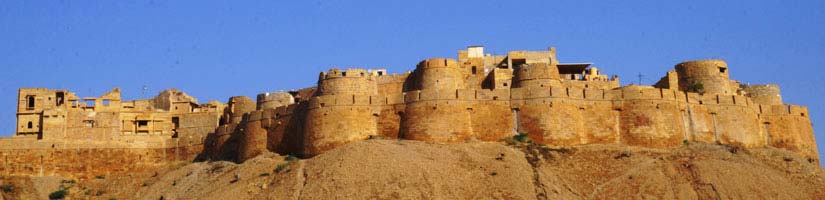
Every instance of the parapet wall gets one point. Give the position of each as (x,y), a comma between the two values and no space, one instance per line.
(348,82)
(438,74)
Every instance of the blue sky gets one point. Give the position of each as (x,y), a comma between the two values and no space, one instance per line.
(218,49)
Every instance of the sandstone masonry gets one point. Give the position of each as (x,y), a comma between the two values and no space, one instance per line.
(479,96)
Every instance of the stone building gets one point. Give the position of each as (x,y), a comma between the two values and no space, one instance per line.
(57,131)
(478,96)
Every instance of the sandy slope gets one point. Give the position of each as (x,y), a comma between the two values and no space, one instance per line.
(391,169)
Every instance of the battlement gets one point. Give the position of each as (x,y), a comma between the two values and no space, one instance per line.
(351,73)
(438,63)
(786,110)
(344,100)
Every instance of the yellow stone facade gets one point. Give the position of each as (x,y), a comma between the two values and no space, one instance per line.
(478,96)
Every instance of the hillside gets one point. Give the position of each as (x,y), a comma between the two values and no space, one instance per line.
(393,169)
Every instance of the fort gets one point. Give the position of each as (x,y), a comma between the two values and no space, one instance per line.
(478,96)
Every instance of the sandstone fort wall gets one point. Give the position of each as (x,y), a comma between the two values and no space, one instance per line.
(477,97)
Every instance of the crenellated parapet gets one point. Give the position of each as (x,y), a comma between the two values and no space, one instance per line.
(351,81)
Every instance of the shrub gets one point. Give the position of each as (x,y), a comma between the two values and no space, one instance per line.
(281,167)
(7,188)
(624,154)
(696,86)
(290,158)
(216,168)
(59,194)
(521,137)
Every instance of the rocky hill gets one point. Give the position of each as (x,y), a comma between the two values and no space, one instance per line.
(393,169)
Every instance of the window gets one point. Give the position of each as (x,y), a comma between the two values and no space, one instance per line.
(143,123)
(59,98)
(89,123)
(380,73)
(106,102)
(474,70)
(30,102)
(176,122)
(90,103)
(722,69)
(30,125)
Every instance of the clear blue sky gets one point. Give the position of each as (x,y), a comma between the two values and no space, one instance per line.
(214,50)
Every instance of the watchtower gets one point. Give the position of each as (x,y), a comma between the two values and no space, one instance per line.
(705,76)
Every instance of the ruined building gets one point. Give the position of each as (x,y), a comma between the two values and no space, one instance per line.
(478,96)
(59,132)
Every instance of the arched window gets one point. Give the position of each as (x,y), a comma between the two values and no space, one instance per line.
(30,101)
(30,125)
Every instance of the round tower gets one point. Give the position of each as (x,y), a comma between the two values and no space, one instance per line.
(238,105)
(767,94)
(705,76)
(341,112)
(253,138)
(648,120)
(439,73)
(536,75)
(347,82)
(434,112)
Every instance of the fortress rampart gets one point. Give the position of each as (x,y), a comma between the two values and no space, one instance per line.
(476,97)
(489,98)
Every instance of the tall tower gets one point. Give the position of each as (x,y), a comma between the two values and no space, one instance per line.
(434,111)
(342,111)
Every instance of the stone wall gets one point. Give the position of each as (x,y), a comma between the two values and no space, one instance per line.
(441,102)
(479,97)
(87,159)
